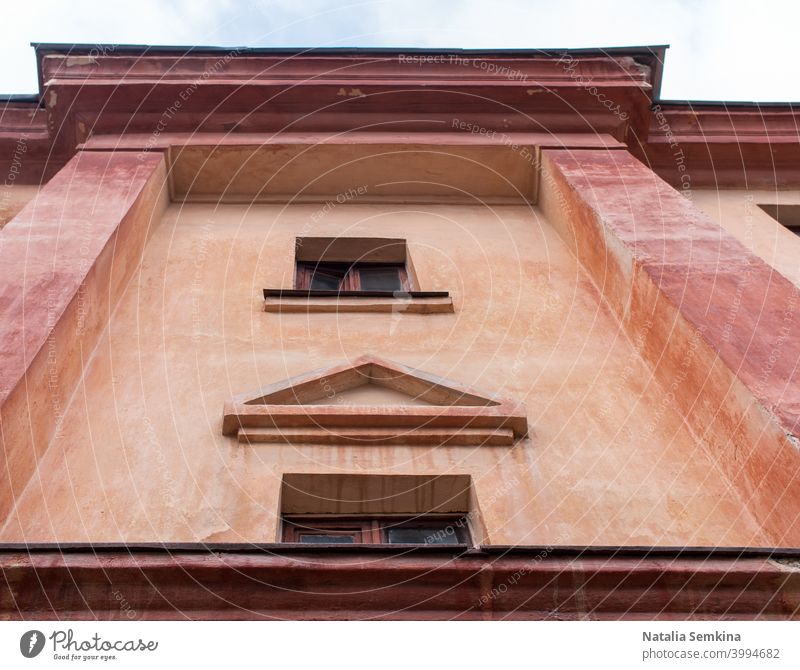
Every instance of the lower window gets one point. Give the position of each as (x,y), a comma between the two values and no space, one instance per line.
(419,530)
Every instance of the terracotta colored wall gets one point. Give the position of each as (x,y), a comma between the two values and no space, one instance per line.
(609,460)
(64,262)
(714,321)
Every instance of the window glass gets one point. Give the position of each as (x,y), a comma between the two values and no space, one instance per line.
(315,538)
(380,279)
(325,276)
(324,280)
(376,530)
(422,535)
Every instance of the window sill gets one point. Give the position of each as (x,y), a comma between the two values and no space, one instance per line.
(385,547)
(303,301)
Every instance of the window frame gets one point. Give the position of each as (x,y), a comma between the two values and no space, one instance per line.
(373,529)
(786,214)
(351,275)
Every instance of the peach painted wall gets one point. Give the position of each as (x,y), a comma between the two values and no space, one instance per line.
(142,457)
(738,212)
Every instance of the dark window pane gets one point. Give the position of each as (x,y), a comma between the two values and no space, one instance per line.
(423,535)
(326,539)
(380,279)
(326,281)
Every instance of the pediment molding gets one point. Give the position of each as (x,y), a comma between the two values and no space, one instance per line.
(290,411)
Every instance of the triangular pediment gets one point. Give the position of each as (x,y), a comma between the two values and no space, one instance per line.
(368,381)
(373,401)
(370,394)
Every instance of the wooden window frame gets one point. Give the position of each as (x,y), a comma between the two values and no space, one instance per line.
(351,281)
(354,254)
(372,529)
(363,531)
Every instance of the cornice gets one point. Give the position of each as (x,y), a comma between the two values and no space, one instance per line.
(374,582)
(725,123)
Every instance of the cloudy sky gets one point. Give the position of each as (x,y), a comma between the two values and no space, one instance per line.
(719,49)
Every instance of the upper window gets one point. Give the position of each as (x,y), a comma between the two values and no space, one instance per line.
(354,274)
(787,215)
(420,530)
(351,264)
(327,276)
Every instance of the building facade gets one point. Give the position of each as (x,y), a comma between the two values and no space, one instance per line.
(381,334)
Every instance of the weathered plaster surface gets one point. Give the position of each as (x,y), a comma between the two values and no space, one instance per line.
(737,211)
(296,172)
(716,322)
(608,461)
(64,261)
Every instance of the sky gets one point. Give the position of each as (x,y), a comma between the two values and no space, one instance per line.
(719,49)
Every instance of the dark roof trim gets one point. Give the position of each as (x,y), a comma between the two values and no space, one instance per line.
(19,98)
(57,47)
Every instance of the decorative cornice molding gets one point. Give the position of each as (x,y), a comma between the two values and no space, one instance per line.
(261,582)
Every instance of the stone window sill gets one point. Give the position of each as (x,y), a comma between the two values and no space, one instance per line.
(312,301)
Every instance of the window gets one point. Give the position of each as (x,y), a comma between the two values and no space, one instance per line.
(323,276)
(354,274)
(787,215)
(438,530)
(360,264)
(403,510)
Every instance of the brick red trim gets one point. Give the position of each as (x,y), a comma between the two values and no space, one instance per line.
(716,323)
(64,260)
(204,583)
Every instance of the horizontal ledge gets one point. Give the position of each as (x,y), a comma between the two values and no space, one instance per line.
(245,81)
(238,416)
(263,198)
(636,552)
(304,302)
(378,436)
(446,137)
(398,295)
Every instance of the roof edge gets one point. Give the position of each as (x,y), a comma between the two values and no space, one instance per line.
(58,47)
